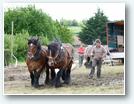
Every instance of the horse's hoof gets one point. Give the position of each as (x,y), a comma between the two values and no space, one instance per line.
(47,83)
(66,82)
(58,85)
(52,84)
(35,86)
(32,85)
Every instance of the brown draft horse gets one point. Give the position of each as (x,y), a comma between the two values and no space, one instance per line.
(60,58)
(36,61)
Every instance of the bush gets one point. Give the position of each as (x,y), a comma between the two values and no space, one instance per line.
(33,20)
(29,21)
(19,46)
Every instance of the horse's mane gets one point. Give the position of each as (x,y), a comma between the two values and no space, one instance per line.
(35,41)
(54,47)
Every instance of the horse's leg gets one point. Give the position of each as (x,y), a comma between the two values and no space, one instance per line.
(53,74)
(64,75)
(53,77)
(36,79)
(67,74)
(67,78)
(32,78)
(47,76)
(57,80)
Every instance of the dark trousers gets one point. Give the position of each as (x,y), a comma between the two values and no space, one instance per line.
(95,63)
(81,57)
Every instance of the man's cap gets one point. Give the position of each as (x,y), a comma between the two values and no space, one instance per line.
(97,41)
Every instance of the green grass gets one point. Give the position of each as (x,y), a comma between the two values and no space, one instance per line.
(75,29)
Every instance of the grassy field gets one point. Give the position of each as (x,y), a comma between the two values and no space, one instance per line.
(111,82)
(67,90)
(75,29)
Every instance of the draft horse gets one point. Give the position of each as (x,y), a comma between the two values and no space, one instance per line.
(60,57)
(36,61)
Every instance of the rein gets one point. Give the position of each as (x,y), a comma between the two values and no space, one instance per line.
(61,50)
(59,54)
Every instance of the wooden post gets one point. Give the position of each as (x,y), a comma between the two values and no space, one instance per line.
(12,39)
(107,32)
(12,26)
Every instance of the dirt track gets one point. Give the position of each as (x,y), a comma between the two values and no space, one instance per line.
(112,78)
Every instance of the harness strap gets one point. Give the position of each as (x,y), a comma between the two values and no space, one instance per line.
(61,55)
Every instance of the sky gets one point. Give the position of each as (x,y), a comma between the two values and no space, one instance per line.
(77,11)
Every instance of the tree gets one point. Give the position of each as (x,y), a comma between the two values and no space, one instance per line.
(28,18)
(28,21)
(94,28)
(64,33)
(74,23)
(69,22)
(34,21)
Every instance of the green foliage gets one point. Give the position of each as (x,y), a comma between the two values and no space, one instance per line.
(36,22)
(28,21)
(19,44)
(64,34)
(44,40)
(94,28)
(75,29)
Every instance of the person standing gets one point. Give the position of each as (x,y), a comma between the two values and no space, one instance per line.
(98,53)
(81,50)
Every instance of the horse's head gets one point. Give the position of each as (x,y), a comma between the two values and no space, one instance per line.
(33,46)
(53,52)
